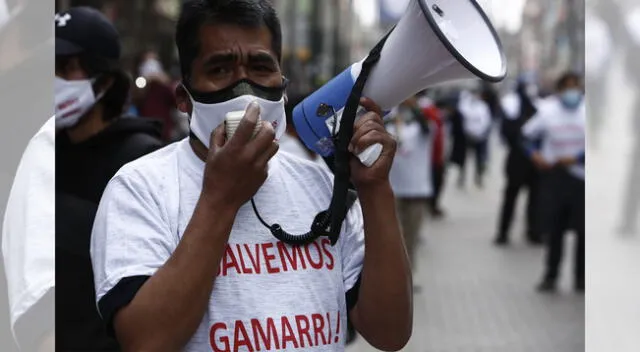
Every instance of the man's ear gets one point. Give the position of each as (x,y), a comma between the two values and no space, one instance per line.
(103,85)
(183,101)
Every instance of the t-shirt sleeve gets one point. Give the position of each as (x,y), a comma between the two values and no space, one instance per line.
(131,240)
(352,252)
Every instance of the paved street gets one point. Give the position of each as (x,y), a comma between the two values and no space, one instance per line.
(475,297)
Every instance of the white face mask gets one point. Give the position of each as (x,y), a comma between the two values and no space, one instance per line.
(72,100)
(205,118)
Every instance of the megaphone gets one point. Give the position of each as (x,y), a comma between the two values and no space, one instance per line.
(436,41)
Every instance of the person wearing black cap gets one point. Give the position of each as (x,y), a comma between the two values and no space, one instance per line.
(92,143)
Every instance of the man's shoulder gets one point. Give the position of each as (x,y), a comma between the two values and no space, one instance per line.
(152,167)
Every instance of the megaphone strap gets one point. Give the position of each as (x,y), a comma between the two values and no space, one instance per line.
(342,171)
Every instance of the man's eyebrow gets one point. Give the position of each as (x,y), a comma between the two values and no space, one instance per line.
(262,57)
(220,58)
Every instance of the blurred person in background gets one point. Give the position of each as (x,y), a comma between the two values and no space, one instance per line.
(410,174)
(477,122)
(180,215)
(156,99)
(631,198)
(518,107)
(459,139)
(437,130)
(26,177)
(555,142)
(92,143)
(597,66)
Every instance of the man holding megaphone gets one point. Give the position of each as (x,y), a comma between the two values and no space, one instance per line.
(182,249)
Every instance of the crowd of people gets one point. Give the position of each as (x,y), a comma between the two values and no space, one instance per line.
(161,220)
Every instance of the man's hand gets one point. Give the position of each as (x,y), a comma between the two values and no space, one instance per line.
(237,168)
(369,130)
(539,161)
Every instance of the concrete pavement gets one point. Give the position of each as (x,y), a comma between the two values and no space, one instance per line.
(475,297)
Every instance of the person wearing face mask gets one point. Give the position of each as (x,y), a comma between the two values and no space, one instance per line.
(92,143)
(183,256)
(555,142)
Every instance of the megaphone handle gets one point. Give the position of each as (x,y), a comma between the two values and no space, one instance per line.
(370,155)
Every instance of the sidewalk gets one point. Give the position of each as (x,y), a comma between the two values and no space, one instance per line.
(475,297)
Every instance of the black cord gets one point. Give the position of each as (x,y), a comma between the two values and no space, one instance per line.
(318,229)
(255,210)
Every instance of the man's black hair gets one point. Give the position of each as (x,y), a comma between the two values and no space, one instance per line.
(566,78)
(245,13)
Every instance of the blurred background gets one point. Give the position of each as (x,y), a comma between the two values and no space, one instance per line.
(321,38)
(470,294)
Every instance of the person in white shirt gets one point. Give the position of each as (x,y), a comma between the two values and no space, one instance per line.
(555,141)
(183,256)
(477,122)
(28,244)
(411,171)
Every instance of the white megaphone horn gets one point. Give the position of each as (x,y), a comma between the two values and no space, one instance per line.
(436,41)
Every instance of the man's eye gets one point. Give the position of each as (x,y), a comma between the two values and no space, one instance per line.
(263,68)
(219,70)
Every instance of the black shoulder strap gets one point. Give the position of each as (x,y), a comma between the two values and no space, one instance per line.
(339,205)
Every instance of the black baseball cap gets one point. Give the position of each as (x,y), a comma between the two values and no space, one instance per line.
(85,30)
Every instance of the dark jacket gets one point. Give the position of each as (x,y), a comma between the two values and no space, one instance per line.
(518,163)
(82,173)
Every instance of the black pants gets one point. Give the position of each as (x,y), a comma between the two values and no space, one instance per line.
(562,208)
(520,174)
(437,176)
(480,150)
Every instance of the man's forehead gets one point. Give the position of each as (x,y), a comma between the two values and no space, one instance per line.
(226,38)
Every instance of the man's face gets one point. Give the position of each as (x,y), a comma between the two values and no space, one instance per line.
(571,84)
(69,69)
(229,53)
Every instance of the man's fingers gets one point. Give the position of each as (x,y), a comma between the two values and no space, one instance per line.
(218,138)
(370,116)
(264,158)
(265,136)
(364,128)
(247,125)
(370,105)
(373,137)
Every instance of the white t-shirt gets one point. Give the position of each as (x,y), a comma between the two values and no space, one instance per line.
(511,105)
(28,238)
(410,175)
(293,146)
(562,132)
(476,116)
(262,284)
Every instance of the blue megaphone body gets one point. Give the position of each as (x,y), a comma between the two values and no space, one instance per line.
(316,119)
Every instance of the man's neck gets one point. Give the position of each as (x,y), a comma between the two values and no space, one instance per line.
(198,148)
(90,125)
